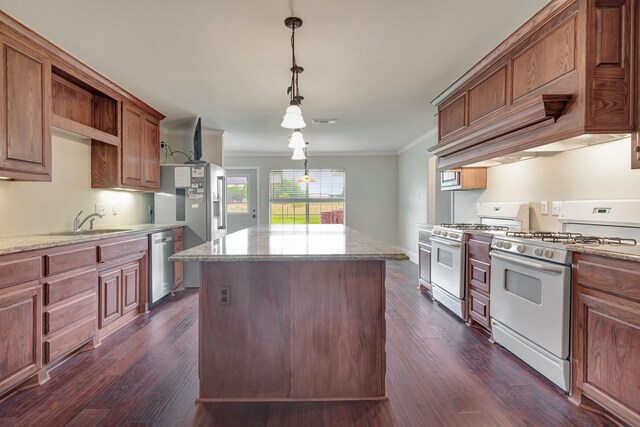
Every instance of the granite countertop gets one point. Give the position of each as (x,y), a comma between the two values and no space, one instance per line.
(10,245)
(629,253)
(329,242)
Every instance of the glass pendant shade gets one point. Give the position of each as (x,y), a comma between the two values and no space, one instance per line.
(292,118)
(296,140)
(306,178)
(298,154)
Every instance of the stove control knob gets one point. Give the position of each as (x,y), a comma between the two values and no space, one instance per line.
(498,244)
(548,253)
(454,236)
(520,248)
(538,251)
(507,245)
(436,232)
(444,234)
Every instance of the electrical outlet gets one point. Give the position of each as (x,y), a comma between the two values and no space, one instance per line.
(100,208)
(544,208)
(114,210)
(556,207)
(224,295)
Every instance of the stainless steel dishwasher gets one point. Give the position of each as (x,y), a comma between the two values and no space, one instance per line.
(161,270)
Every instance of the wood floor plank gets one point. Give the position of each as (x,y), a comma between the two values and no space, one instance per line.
(440,372)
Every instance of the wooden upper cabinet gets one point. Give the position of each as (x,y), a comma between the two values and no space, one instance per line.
(151,158)
(25,112)
(132,146)
(567,71)
(140,149)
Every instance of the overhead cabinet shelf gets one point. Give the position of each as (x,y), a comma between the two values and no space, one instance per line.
(566,72)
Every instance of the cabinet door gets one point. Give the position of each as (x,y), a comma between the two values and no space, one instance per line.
(110,295)
(424,261)
(132,146)
(151,156)
(608,350)
(25,112)
(20,334)
(479,308)
(130,287)
(178,266)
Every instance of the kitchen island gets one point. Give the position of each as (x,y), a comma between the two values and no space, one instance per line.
(292,313)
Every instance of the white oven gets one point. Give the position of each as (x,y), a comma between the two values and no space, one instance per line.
(530,310)
(447,274)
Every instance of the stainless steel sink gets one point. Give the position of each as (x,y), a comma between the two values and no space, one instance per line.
(89,232)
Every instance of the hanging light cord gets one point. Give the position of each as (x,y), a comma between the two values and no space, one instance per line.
(294,90)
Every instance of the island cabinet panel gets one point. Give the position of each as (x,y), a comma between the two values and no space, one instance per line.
(292,331)
(20,334)
(25,112)
(246,350)
(606,335)
(110,294)
(332,354)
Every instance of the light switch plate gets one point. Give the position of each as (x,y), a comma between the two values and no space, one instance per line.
(556,207)
(114,210)
(101,208)
(544,207)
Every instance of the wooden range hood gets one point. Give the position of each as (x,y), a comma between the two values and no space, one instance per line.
(568,71)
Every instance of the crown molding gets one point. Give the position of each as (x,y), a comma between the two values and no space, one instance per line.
(428,134)
(311,155)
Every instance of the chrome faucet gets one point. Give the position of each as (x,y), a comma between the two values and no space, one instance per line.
(77,223)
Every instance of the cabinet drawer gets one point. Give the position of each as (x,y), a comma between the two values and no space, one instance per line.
(479,274)
(68,314)
(20,271)
(65,343)
(479,308)
(178,233)
(612,276)
(479,248)
(70,260)
(61,289)
(117,250)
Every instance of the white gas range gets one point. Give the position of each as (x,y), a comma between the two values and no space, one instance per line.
(531,281)
(448,255)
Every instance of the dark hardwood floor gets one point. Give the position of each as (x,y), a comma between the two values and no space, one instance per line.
(439,373)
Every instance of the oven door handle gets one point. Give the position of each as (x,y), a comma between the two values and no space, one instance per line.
(549,268)
(444,242)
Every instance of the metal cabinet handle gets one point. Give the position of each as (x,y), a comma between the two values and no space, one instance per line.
(539,266)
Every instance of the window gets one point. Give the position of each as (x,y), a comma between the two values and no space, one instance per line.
(237,191)
(319,202)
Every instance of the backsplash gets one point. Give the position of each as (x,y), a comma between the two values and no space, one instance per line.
(42,207)
(597,172)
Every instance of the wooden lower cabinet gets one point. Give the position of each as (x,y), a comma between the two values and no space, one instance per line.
(478,279)
(119,291)
(20,334)
(424,268)
(178,246)
(606,336)
(110,285)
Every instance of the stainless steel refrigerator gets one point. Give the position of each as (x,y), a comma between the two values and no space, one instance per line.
(195,195)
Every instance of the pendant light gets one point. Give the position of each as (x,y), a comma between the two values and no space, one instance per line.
(298,154)
(306,178)
(296,140)
(292,118)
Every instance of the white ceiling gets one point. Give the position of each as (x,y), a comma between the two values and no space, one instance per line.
(373,64)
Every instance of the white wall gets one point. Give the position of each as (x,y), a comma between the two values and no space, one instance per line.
(212,146)
(419,197)
(371,184)
(41,207)
(597,172)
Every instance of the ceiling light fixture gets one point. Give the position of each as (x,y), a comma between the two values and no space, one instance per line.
(298,154)
(296,140)
(292,118)
(306,178)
